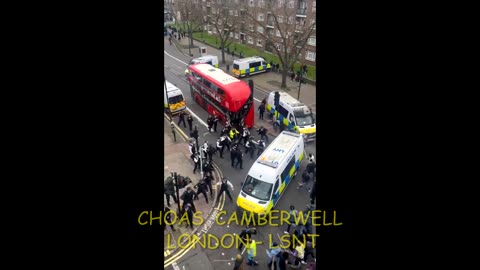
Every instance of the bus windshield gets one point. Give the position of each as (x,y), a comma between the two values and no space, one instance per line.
(257,188)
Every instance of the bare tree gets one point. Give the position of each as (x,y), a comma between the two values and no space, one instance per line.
(191,16)
(283,32)
(223,17)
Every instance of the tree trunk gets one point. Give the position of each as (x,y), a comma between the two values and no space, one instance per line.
(284,76)
(223,55)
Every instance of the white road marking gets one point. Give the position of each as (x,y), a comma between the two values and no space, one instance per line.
(198,118)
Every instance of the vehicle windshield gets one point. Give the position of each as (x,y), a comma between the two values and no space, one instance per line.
(304,119)
(175,99)
(257,188)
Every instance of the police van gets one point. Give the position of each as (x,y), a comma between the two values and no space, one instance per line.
(206,59)
(269,176)
(249,66)
(292,115)
(175,98)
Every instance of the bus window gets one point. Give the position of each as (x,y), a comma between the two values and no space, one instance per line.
(207,83)
(220,91)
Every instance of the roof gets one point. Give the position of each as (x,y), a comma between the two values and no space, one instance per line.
(216,74)
(170,87)
(279,149)
(205,57)
(248,59)
(286,98)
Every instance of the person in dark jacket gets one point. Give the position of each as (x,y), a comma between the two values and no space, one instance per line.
(210,123)
(261,110)
(195,134)
(188,208)
(208,180)
(187,198)
(181,118)
(169,190)
(201,188)
(246,234)
(168,218)
(189,121)
(263,133)
(215,122)
(224,184)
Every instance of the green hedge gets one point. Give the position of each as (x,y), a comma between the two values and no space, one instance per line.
(247,51)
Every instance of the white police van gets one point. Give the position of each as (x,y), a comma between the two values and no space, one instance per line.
(206,59)
(269,176)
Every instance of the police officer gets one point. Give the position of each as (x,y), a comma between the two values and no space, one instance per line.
(233,155)
(250,147)
(189,121)
(263,133)
(196,160)
(225,140)
(245,135)
(239,157)
(220,147)
(187,197)
(210,123)
(261,147)
(224,184)
(192,148)
(208,180)
(181,118)
(201,188)
(215,122)
(195,134)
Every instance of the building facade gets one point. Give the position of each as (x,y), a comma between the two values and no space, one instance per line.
(300,14)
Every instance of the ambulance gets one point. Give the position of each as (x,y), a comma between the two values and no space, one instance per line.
(271,173)
(206,59)
(175,98)
(292,115)
(249,66)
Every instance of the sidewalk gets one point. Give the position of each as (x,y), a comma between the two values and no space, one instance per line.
(177,159)
(268,82)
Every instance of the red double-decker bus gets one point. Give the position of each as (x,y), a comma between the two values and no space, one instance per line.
(219,93)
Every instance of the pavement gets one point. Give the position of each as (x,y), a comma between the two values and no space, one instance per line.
(177,159)
(266,82)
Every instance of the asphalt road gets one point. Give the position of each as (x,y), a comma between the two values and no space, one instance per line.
(175,65)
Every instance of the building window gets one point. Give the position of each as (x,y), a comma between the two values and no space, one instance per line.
(278,46)
(230,12)
(250,3)
(231,34)
(290,20)
(312,41)
(313,23)
(314,5)
(250,26)
(281,3)
(260,29)
(291,4)
(236,12)
(250,40)
(277,33)
(236,35)
(310,56)
(261,3)
(280,19)
(260,17)
(259,43)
